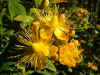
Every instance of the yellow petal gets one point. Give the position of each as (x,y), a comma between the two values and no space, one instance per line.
(54,21)
(62,19)
(54,52)
(61,35)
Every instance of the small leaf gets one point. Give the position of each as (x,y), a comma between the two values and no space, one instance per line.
(50,66)
(24,18)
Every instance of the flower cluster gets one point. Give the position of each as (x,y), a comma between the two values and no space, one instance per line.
(49,36)
(82,13)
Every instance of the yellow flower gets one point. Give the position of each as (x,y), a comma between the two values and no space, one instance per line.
(35,50)
(59,27)
(92,66)
(36,54)
(69,55)
(54,24)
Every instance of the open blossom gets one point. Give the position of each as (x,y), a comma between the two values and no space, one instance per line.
(54,24)
(60,29)
(35,50)
(69,54)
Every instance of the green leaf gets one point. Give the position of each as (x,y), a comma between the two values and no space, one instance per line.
(15,8)
(50,66)
(24,18)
